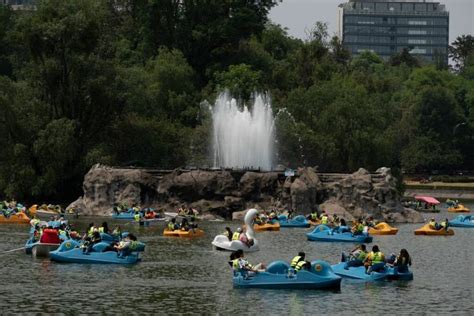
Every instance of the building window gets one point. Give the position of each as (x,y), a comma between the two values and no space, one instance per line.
(417,22)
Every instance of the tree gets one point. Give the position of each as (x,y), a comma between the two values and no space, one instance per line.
(240,80)
(460,50)
(404,57)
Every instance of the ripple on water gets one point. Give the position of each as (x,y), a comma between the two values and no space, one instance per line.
(187,276)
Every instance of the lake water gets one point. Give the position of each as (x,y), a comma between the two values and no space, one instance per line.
(188,276)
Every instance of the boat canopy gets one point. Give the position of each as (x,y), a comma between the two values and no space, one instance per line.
(427,199)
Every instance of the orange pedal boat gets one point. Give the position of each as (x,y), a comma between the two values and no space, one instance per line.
(383,229)
(183,233)
(267,227)
(18,218)
(459,209)
(428,231)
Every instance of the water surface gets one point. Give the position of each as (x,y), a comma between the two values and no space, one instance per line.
(188,276)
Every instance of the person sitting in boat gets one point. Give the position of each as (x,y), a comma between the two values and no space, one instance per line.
(34,221)
(244,239)
(272,216)
(375,260)
(104,228)
(290,213)
(370,222)
(357,228)
(193,225)
(91,229)
(313,216)
(63,232)
(228,233)
(299,262)
(258,220)
(117,231)
(402,261)
(125,246)
(356,257)
(433,224)
(341,227)
(184,224)
(89,242)
(444,225)
(137,217)
(172,224)
(324,218)
(335,220)
(239,263)
(236,235)
(181,212)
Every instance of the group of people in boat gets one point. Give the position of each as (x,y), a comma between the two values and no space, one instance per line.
(266,217)
(185,225)
(239,234)
(375,260)
(439,226)
(9,208)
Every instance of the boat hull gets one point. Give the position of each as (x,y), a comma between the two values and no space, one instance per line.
(462,221)
(324,234)
(427,231)
(76,255)
(319,277)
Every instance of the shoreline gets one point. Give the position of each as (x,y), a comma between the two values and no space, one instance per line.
(459,191)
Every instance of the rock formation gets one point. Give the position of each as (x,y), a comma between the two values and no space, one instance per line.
(225,193)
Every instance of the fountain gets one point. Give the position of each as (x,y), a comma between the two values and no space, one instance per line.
(243,137)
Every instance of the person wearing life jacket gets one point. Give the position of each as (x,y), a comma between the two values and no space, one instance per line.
(356,257)
(375,260)
(313,216)
(236,235)
(239,263)
(172,224)
(357,228)
(123,247)
(258,220)
(91,229)
(432,224)
(444,225)
(184,224)
(34,221)
(296,259)
(104,228)
(272,216)
(137,217)
(324,218)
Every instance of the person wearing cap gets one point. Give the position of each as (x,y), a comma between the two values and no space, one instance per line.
(236,235)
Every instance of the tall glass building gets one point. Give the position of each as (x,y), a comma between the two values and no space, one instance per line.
(386,27)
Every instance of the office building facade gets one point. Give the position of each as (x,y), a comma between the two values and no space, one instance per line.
(386,27)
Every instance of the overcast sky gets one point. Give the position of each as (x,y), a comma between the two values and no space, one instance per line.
(299,15)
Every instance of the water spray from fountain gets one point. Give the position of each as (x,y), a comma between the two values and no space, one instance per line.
(243,137)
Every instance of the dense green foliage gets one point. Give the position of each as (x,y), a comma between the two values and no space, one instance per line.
(121,82)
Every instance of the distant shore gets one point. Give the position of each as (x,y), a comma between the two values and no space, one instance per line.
(464,191)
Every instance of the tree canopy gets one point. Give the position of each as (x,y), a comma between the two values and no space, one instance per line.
(121,82)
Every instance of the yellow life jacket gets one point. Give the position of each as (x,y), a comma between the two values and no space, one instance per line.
(314,216)
(235,264)
(362,255)
(236,236)
(432,224)
(91,231)
(136,217)
(376,257)
(300,265)
(443,224)
(170,226)
(295,261)
(324,219)
(101,229)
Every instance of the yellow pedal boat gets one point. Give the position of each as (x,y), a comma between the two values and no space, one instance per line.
(383,229)
(183,233)
(428,231)
(459,209)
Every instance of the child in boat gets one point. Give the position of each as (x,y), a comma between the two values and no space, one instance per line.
(239,263)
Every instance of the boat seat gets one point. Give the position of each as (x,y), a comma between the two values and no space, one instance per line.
(278,267)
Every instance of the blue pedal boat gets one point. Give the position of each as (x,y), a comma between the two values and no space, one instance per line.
(389,273)
(465,221)
(279,275)
(69,254)
(324,233)
(297,221)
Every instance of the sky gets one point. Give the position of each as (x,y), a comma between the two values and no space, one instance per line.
(300,15)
